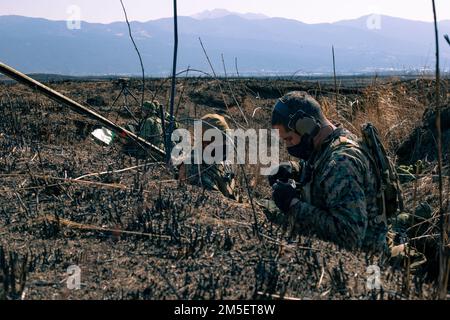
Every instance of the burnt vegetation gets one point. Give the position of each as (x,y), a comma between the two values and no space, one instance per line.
(140,234)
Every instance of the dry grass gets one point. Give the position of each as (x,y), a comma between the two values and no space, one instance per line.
(394,108)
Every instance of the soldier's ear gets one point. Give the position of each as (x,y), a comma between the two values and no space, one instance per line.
(303,124)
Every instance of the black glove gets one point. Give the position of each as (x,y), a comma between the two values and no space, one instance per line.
(283,194)
(284,172)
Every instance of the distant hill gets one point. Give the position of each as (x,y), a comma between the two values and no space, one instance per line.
(262,45)
(220,13)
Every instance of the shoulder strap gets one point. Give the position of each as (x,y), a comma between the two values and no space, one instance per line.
(336,140)
(339,141)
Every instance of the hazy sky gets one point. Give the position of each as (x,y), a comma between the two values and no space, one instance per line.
(310,11)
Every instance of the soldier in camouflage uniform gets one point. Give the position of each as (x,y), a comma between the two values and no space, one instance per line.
(151,129)
(338,197)
(217,176)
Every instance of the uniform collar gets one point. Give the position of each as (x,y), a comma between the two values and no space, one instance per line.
(339,131)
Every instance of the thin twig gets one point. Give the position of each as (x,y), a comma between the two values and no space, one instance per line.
(182,93)
(446,37)
(97,174)
(420,176)
(335,79)
(443,263)
(173,86)
(81,226)
(218,82)
(137,50)
(232,91)
(164,81)
(295,73)
(321,278)
(22,203)
(427,221)
(93,183)
(258,233)
(435,236)
(169,283)
(276,296)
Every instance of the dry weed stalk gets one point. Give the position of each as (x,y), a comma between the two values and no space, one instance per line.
(443,256)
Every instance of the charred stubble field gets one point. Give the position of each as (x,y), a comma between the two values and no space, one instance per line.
(139,234)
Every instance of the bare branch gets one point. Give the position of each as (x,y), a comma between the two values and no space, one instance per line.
(232,92)
(173,86)
(443,259)
(218,82)
(137,50)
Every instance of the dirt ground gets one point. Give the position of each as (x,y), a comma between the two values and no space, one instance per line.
(140,234)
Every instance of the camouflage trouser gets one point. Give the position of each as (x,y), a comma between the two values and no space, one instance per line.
(218,177)
(400,255)
(399,252)
(152,131)
(403,227)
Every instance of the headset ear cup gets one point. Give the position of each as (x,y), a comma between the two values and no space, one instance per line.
(306,126)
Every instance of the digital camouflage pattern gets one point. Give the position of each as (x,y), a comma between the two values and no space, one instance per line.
(339,200)
(152,129)
(218,177)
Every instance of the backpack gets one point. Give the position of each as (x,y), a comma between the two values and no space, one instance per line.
(390,198)
(389,183)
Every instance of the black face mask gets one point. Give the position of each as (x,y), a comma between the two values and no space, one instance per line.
(304,149)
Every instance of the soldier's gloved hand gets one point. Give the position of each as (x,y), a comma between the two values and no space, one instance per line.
(283,173)
(283,194)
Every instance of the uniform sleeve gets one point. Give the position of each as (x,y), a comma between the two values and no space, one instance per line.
(215,178)
(344,218)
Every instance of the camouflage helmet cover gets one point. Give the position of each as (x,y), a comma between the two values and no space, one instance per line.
(152,106)
(213,120)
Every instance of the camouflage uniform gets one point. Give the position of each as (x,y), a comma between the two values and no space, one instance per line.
(151,129)
(218,176)
(339,196)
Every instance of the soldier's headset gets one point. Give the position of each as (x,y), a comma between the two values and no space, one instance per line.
(299,121)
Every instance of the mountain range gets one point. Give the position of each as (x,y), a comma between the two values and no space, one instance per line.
(261,45)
